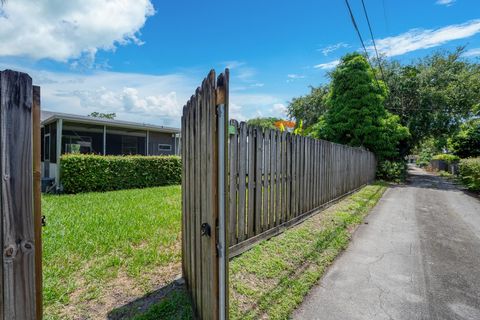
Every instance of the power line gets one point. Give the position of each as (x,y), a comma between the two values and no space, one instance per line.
(373,40)
(361,40)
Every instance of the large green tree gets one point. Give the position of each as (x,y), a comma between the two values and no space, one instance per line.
(466,143)
(434,95)
(310,107)
(356,114)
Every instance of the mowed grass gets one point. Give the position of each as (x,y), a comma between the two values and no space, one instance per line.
(101,248)
(271,280)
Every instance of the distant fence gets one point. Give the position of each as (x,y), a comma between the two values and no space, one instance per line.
(442,165)
(277,178)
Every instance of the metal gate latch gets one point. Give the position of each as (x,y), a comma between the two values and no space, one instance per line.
(205,229)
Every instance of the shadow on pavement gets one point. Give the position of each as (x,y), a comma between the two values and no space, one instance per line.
(419,178)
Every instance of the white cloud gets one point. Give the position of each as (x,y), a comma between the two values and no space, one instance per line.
(475,52)
(334,47)
(327,65)
(292,77)
(235,112)
(447,3)
(156,99)
(417,39)
(65,30)
(247,106)
(295,76)
(280,110)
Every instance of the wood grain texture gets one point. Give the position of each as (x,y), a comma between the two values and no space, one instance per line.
(233,182)
(266,179)
(16,162)
(37,200)
(258,179)
(200,194)
(242,181)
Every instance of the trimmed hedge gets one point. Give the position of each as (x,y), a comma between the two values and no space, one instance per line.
(87,173)
(448,158)
(470,173)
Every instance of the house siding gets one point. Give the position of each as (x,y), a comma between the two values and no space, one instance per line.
(156,138)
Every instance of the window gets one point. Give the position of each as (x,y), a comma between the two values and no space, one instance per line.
(77,144)
(164,147)
(129,145)
(46,147)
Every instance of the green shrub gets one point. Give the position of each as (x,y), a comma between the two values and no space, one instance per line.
(392,170)
(470,173)
(448,158)
(86,173)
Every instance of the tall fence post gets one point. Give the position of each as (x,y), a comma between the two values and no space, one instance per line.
(37,200)
(17,269)
(223,193)
(205,197)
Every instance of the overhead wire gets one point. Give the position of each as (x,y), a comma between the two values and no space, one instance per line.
(361,40)
(373,40)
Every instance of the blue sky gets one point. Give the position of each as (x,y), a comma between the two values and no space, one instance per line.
(142,59)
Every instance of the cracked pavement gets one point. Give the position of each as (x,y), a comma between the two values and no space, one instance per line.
(417,258)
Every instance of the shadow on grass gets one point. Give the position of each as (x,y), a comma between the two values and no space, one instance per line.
(169,302)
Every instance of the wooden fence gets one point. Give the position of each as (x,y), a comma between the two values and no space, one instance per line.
(246,184)
(276,179)
(20,269)
(203,238)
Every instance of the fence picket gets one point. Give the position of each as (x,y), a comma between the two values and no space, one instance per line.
(281,177)
(266,180)
(233,186)
(251,183)
(242,160)
(258,179)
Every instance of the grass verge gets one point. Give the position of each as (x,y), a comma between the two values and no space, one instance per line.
(270,280)
(104,249)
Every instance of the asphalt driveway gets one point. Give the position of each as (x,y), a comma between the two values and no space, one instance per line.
(417,258)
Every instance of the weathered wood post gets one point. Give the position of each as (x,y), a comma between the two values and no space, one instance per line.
(17,268)
(204,197)
(37,200)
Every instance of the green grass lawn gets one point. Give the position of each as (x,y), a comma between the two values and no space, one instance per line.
(270,280)
(102,249)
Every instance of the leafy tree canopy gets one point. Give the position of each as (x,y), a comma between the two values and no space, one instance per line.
(264,122)
(103,115)
(466,143)
(356,115)
(309,108)
(434,95)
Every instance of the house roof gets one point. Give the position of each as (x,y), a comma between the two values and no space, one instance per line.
(50,116)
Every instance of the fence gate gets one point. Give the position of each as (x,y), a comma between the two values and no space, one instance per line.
(204,247)
(20,221)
